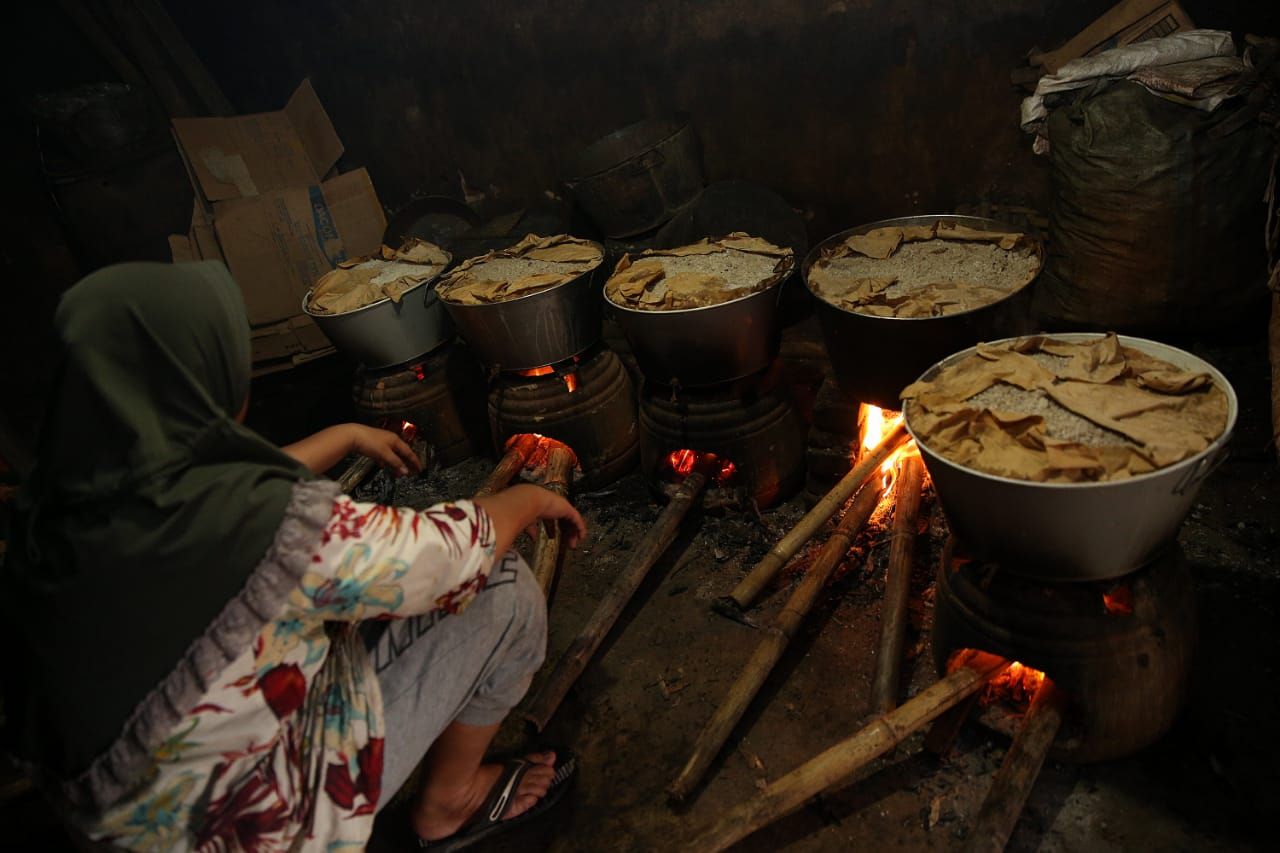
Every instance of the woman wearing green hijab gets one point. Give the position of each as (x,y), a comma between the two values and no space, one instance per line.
(185,598)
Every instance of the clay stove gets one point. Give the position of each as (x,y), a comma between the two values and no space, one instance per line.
(749,425)
(441,393)
(1120,650)
(586,402)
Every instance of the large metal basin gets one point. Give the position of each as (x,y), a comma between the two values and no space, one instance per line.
(1076,531)
(531,331)
(637,178)
(695,347)
(874,358)
(386,333)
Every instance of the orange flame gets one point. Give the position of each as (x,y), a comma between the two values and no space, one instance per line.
(683,462)
(571,382)
(875,424)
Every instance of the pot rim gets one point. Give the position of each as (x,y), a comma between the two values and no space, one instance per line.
(779,278)
(678,121)
(488,305)
(306,297)
(923,219)
(1215,446)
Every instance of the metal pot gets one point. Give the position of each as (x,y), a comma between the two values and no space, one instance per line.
(542,328)
(693,347)
(1076,531)
(386,333)
(874,358)
(636,178)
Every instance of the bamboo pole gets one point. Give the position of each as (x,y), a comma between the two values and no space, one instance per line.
(1018,772)
(750,587)
(774,643)
(841,761)
(519,449)
(654,544)
(897,588)
(546,548)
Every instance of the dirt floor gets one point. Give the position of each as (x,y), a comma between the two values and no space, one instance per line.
(638,708)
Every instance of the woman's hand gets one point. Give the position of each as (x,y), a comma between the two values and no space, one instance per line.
(386,448)
(519,507)
(322,451)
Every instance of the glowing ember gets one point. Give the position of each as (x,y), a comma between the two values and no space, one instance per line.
(1118,600)
(571,382)
(1016,686)
(683,462)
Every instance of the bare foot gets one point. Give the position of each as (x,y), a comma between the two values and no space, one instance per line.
(443,809)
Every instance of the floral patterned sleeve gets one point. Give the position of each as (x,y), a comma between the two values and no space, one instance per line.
(381,562)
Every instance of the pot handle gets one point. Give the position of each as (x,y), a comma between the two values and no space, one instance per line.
(1200,471)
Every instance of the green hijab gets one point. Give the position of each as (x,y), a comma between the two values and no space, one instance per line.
(148,512)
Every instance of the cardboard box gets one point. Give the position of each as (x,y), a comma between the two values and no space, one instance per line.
(269,204)
(1127,22)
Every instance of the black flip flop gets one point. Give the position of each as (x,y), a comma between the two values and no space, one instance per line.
(489,822)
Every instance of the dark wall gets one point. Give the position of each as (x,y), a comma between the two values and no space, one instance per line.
(858,109)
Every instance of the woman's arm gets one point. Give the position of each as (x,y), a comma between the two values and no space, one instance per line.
(387,562)
(322,451)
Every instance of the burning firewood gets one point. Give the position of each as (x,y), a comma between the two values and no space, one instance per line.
(580,651)
(356,474)
(519,450)
(893,620)
(830,768)
(547,550)
(806,528)
(1017,774)
(775,642)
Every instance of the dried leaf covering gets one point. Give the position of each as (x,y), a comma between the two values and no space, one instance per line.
(709,272)
(924,270)
(534,264)
(363,281)
(1055,411)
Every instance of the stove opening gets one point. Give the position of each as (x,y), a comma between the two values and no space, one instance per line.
(681,463)
(566,371)
(1011,691)
(1118,600)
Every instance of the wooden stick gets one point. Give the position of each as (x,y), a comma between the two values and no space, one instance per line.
(356,474)
(1017,774)
(546,549)
(764,572)
(897,588)
(785,795)
(519,449)
(775,642)
(575,659)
